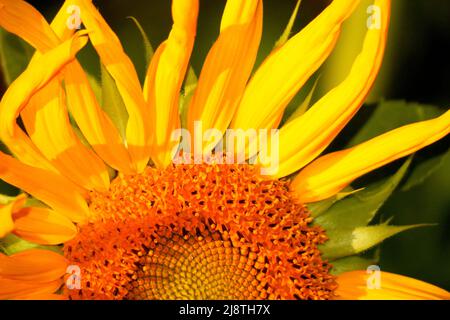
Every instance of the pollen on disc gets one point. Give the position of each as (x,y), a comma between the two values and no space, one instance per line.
(209,231)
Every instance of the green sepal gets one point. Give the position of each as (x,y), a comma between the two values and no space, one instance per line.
(359,209)
(190,84)
(29,202)
(95,86)
(112,102)
(15,55)
(35,203)
(303,107)
(351,241)
(318,208)
(288,30)
(12,244)
(149,51)
(78,132)
(351,263)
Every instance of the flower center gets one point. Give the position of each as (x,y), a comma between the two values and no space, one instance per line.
(210,231)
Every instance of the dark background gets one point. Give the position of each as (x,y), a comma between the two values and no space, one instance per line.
(416,68)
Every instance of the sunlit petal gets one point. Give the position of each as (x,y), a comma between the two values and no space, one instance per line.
(331,173)
(119,65)
(228,66)
(286,70)
(360,285)
(305,137)
(165,78)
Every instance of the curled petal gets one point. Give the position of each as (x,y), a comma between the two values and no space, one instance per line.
(37,75)
(120,67)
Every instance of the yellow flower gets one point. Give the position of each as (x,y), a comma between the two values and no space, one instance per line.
(208,230)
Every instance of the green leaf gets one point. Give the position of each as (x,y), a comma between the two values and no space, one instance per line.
(351,241)
(14,55)
(287,31)
(12,244)
(112,102)
(190,85)
(359,209)
(149,52)
(350,264)
(423,170)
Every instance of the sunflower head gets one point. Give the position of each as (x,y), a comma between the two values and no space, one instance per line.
(132,222)
(200,231)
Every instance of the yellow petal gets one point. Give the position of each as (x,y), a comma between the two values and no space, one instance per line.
(23,148)
(359,285)
(10,289)
(46,109)
(61,144)
(228,66)
(122,70)
(165,77)
(96,126)
(305,137)
(6,222)
(33,265)
(287,69)
(47,122)
(43,226)
(51,188)
(66,15)
(331,173)
(35,77)
(21,18)
(6,215)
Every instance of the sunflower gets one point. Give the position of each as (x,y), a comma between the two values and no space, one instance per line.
(106,214)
